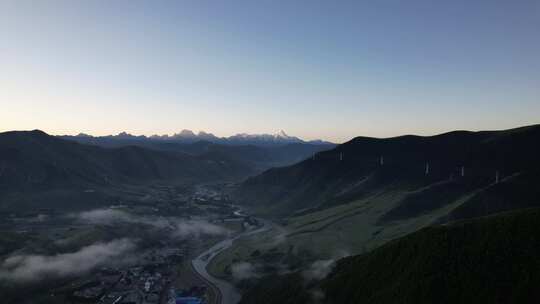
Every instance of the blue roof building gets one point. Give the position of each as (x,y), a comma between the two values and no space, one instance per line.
(188,300)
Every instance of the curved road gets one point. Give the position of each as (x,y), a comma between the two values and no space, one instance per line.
(228,293)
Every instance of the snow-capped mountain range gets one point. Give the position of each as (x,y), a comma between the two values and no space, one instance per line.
(188,136)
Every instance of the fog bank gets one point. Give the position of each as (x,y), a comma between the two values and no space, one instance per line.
(26,268)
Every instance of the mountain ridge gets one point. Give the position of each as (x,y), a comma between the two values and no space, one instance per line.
(365,165)
(33,162)
(250,151)
(188,136)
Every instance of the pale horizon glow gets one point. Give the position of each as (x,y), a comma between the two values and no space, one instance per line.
(220,135)
(315,69)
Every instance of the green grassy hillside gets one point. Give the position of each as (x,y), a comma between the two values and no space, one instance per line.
(326,206)
(460,163)
(487,260)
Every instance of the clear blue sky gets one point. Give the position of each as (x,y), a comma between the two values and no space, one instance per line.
(316,69)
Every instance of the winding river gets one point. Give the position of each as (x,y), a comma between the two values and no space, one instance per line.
(229,293)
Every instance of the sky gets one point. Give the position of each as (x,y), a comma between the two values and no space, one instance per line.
(316,69)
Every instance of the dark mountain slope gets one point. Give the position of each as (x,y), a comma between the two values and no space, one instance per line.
(257,156)
(260,158)
(367,166)
(34,161)
(35,157)
(518,191)
(486,260)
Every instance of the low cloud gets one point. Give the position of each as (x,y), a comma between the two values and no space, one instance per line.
(243,270)
(40,218)
(279,239)
(179,228)
(317,295)
(318,270)
(196,228)
(27,268)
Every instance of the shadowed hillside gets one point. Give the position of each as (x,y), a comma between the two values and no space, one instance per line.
(258,157)
(256,154)
(434,170)
(31,162)
(486,260)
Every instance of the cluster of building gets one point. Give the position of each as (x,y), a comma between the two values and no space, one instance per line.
(203,194)
(145,283)
(136,285)
(195,295)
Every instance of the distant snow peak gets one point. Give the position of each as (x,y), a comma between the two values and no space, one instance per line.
(188,136)
(155,136)
(282,134)
(126,135)
(185,133)
(279,138)
(206,136)
(202,133)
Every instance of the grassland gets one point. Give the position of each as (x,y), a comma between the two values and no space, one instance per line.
(485,260)
(346,229)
